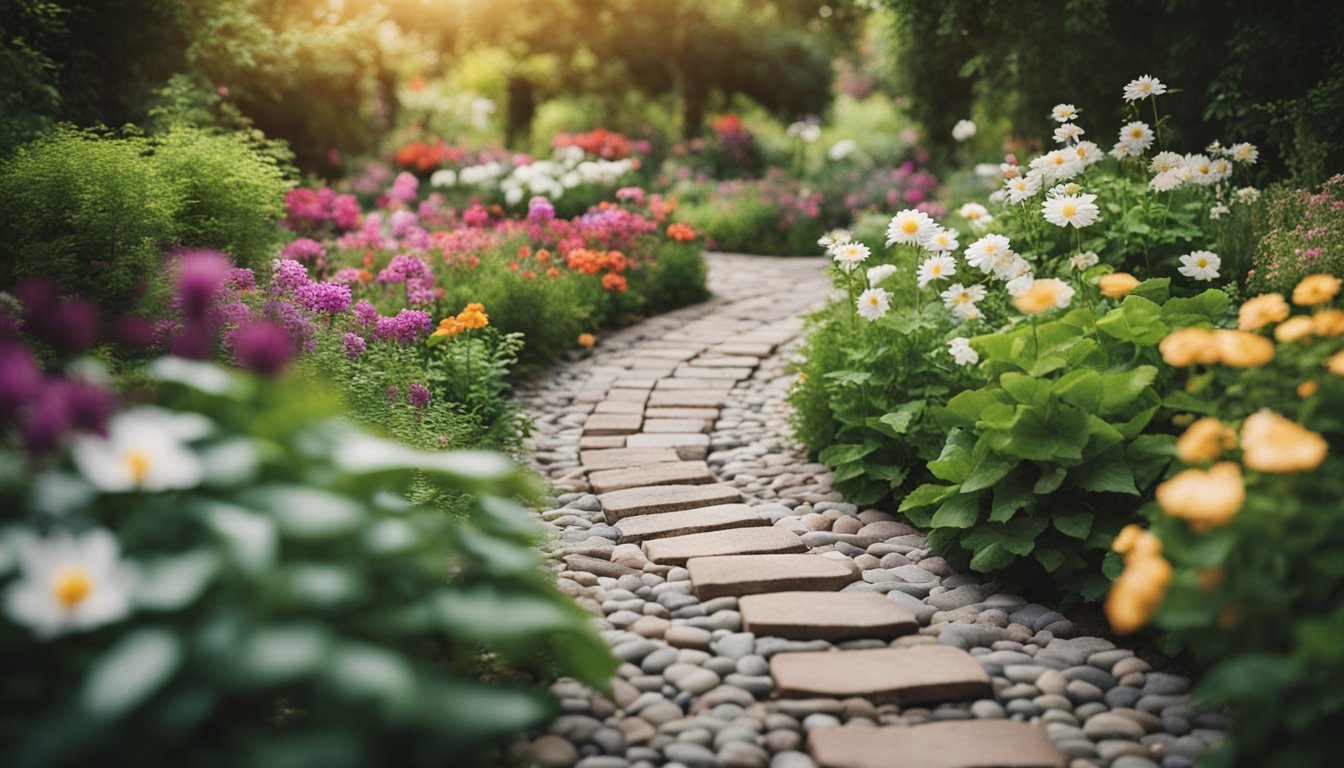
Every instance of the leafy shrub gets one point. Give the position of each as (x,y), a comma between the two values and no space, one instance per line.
(675,277)
(774,216)
(1305,236)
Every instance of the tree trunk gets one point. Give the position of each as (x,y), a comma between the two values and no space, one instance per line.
(522,108)
(694,97)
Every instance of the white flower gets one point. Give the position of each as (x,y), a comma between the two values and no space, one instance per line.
(1077,211)
(444,178)
(1138,135)
(842,149)
(70,583)
(1088,153)
(1201,169)
(1218,211)
(967,312)
(833,238)
(1123,149)
(942,240)
(1020,284)
(879,273)
(1057,165)
(1248,194)
(1244,153)
(144,450)
(1144,87)
(1063,113)
(1201,265)
(987,170)
(1166,161)
(1010,265)
(1222,169)
(958,295)
(936,268)
(849,255)
(1169,180)
(963,130)
(1023,187)
(973,212)
(1084,261)
(874,303)
(1068,132)
(960,350)
(910,227)
(984,252)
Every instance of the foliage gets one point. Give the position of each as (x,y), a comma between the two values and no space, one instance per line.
(770,216)
(1304,235)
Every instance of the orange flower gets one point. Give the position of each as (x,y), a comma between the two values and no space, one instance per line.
(473,316)
(1117,285)
(528,275)
(1315,289)
(1261,311)
(1335,363)
(1271,443)
(553,272)
(524,251)
(1306,389)
(1138,592)
(1135,541)
(1204,498)
(1329,322)
(1188,346)
(1239,349)
(513,266)
(1205,441)
(587,340)
(1294,328)
(543,255)
(614,282)
(449,327)
(1043,295)
(680,232)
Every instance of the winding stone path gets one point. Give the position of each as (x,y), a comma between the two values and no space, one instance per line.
(763,621)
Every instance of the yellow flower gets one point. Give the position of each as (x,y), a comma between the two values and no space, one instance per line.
(1328,322)
(1294,328)
(1306,389)
(1239,349)
(1133,541)
(1271,443)
(1261,311)
(1043,295)
(1204,498)
(449,327)
(1335,363)
(1205,441)
(473,316)
(587,340)
(1188,346)
(1315,289)
(1138,592)
(1117,285)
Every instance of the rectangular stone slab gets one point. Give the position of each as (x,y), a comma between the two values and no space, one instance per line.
(916,675)
(677,353)
(725,361)
(826,616)
(686,371)
(670,473)
(719,517)
(689,447)
(664,498)
(690,398)
(674,426)
(635,382)
(617,406)
(744,348)
(744,541)
(612,424)
(708,414)
(615,458)
(955,744)
(705,385)
(628,395)
(601,441)
(755,574)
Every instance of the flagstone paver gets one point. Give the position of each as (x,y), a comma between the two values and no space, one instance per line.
(677,550)
(826,615)
(716,518)
(917,675)
(689,446)
(675,426)
(613,424)
(667,473)
(664,498)
(984,744)
(692,398)
(616,458)
(753,574)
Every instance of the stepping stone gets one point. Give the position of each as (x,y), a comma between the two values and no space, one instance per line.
(601,441)
(689,447)
(692,398)
(589,396)
(674,426)
(826,616)
(956,744)
(629,395)
(613,424)
(617,406)
(725,361)
(635,382)
(705,414)
(916,675)
(708,385)
(616,458)
(745,348)
(677,353)
(746,541)
(664,498)
(755,574)
(670,473)
(719,517)
(693,372)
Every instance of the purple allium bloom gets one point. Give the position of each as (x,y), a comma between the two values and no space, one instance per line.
(392,393)
(346,275)
(48,420)
(324,297)
(193,340)
(37,294)
(287,276)
(20,378)
(304,249)
(405,327)
(354,345)
(133,332)
(295,322)
(69,326)
(401,268)
(90,406)
(200,278)
(476,216)
(540,210)
(365,313)
(263,347)
(417,394)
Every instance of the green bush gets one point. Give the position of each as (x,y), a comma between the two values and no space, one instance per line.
(1304,235)
(675,277)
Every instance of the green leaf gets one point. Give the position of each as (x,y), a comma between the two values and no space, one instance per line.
(1136,321)
(1119,389)
(849,471)
(1208,308)
(844,453)
(928,495)
(250,538)
(969,404)
(1155,289)
(1049,481)
(991,558)
(1025,389)
(900,419)
(1251,675)
(1080,387)
(489,612)
(849,377)
(1050,559)
(370,672)
(1010,496)
(1181,400)
(892,474)
(1076,523)
(307,513)
(175,581)
(987,472)
(960,511)
(130,672)
(1107,473)
(954,463)
(277,653)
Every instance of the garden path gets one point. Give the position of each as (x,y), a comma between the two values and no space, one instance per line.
(763,621)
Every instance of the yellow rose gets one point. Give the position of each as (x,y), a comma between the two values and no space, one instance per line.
(1271,443)
(1328,322)
(1335,364)
(1261,311)
(1239,349)
(1294,328)
(1205,441)
(1117,285)
(1137,593)
(1315,289)
(1204,498)
(1306,389)
(1042,295)
(1133,540)
(1188,346)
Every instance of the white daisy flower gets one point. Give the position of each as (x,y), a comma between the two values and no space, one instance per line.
(1201,265)
(1068,132)
(879,273)
(967,312)
(873,304)
(1023,187)
(961,351)
(1057,165)
(958,295)
(1244,153)
(936,268)
(1020,284)
(70,583)
(849,255)
(1201,169)
(1165,161)
(1222,169)
(1169,180)
(1077,211)
(1144,87)
(1122,150)
(842,149)
(1248,194)
(1137,134)
(984,252)
(1215,147)
(1063,113)
(1084,261)
(943,240)
(910,227)
(1088,153)
(145,449)
(1010,265)
(973,212)
(445,177)
(963,130)
(1218,211)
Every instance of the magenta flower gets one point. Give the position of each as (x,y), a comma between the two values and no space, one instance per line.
(263,347)
(20,378)
(417,394)
(200,277)
(354,345)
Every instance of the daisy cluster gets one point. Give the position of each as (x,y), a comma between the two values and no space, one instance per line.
(568,168)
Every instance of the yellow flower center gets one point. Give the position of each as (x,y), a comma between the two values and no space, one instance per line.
(1068,210)
(1202,262)
(138,462)
(1059,160)
(72,585)
(973,215)
(1137,133)
(990,248)
(1203,169)
(1145,87)
(937,269)
(910,226)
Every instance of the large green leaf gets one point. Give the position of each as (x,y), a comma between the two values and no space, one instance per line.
(954,463)
(844,453)
(899,420)
(927,495)
(1108,472)
(1050,481)
(1025,389)
(960,511)
(1080,387)
(1137,321)
(130,671)
(1075,522)
(991,558)
(1011,495)
(1118,390)
(988,471)
(969,404)
(1208,308)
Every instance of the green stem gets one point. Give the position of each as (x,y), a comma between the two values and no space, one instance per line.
(1157,125)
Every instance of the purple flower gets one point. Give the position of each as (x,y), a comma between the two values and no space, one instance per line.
(403,222)
(354,345)
(345,211)
(287,276)
(405,327)
(392,393)
(404,188)
(133,332)
(242,279)
(193,340)
(540,210)
(304,249)
(324,297)
(47,422)
(20,378)
(365,313)
(200,278)
(417,394)
(263,347)
(346,275)
(295,322)
(89,405)
(401,268)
